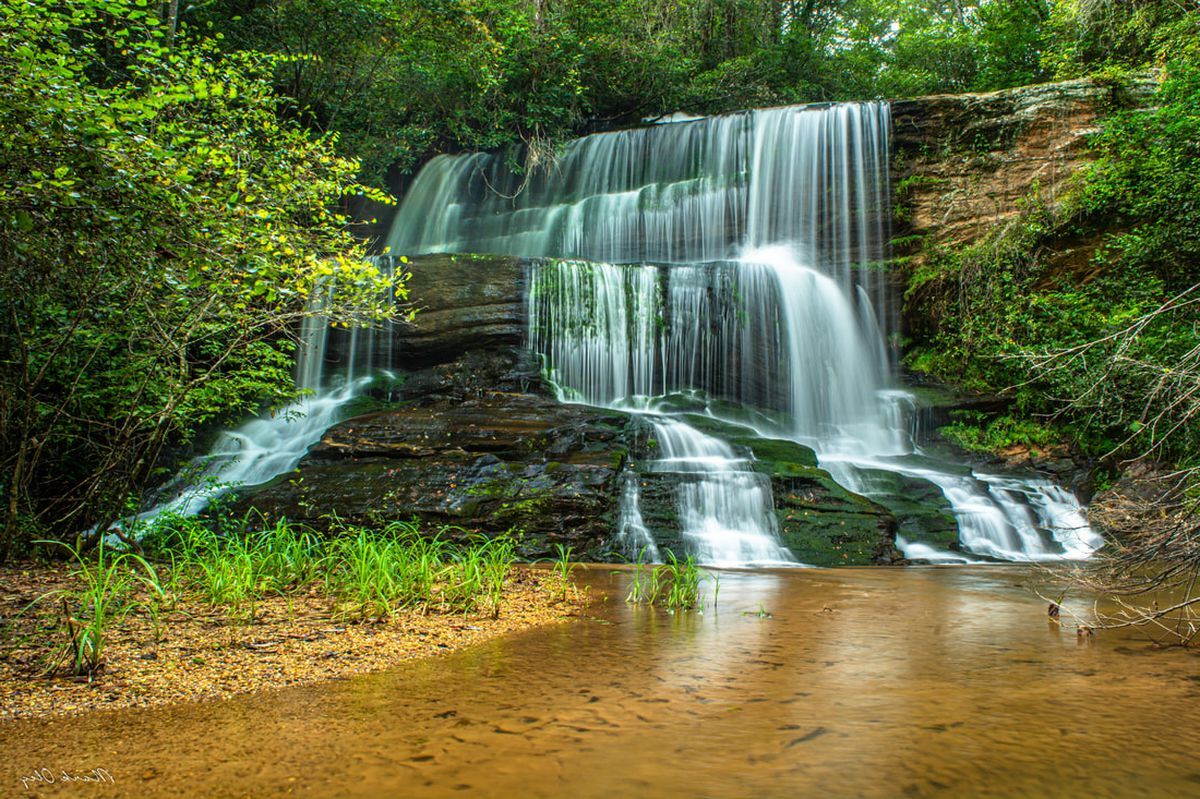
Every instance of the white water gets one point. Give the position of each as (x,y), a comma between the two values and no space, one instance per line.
(634,539)
(265,447)
(256,452)
(1007,518)
(766,227)
(725,508)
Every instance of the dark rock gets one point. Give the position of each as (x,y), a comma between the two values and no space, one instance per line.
(495,463)
(822,523)
(464,303)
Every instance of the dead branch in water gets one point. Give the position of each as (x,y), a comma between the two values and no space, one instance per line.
(1153,526)
(1178,623)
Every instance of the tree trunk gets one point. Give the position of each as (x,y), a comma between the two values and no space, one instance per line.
(172,20)
(11,524)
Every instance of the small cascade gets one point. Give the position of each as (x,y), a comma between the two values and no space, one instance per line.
(597,327)
(634,539)
(333,368)
(670,193)
(256,452)
(821,333)
(999,517)
(695,191)
(618,336)
(725,509)
(1022,519)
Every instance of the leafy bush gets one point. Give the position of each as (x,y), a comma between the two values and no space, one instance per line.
(1112,345)
(160,234)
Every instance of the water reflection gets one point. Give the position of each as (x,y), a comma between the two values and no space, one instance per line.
(916,682)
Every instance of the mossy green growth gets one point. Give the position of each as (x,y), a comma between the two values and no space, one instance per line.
(971,432)
(921,509)
(821,522)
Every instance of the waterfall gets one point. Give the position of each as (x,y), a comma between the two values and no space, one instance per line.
(672,193)
(737,258)
(725,509)
(763,332)
(333,368)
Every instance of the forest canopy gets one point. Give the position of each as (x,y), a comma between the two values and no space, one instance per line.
(400,81)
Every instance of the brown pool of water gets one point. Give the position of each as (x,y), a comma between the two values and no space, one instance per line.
(872,683)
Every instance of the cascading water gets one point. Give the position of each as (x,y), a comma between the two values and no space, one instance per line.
(735,256)
(265,447)
(762,332)
(999,517)
(725,509)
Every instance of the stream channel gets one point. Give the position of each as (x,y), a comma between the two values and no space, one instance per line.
(919,681)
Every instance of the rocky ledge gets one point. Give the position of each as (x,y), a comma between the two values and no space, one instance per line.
(471,439)
(964,163)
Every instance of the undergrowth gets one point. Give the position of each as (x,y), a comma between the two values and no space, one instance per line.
(974,433)
(234,564)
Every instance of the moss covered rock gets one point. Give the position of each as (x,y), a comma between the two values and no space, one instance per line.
(821,522)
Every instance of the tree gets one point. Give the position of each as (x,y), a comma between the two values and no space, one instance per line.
(161,232)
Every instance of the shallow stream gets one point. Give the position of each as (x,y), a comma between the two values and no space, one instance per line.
(804,682)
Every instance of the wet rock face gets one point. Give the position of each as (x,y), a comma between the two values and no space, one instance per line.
(464,303)
(470,437)
(491,463)
(824,524)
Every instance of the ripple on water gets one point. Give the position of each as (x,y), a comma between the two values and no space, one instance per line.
(918,682)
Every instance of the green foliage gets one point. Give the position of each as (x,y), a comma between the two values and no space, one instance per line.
(1001,433)
(234,563)
(109,584)
(956,47)
(477,574)
(562,566)
(371,572)
(674,584)
(400,81)
(161,231)
(1109,344)
(643,589)
(1086,36)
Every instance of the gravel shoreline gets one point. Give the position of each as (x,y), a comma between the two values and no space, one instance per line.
(201,653)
